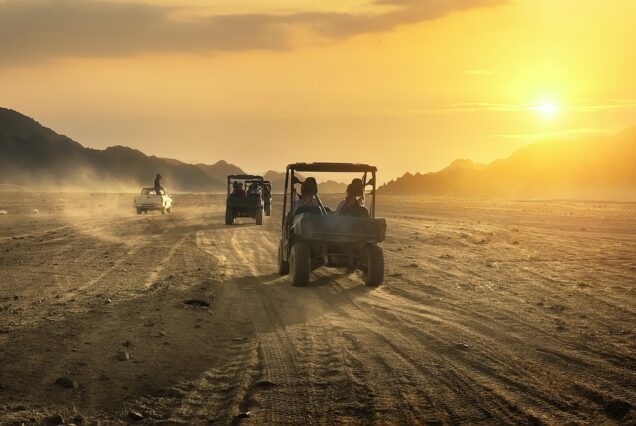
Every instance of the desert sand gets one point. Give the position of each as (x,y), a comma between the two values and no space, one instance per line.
(492,312)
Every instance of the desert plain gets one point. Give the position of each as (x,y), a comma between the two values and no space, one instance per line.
(492,312)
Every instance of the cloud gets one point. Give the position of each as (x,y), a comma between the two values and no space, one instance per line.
(39,30)
(589,105)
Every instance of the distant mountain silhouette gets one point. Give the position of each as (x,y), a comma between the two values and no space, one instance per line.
(220,170)
(33,155)
(591,168)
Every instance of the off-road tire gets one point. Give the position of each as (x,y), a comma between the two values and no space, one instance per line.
(300,264)
(229,216)
(283,265)
(374,272)
(259,216)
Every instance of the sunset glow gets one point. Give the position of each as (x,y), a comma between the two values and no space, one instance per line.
(181,82)
(547,109)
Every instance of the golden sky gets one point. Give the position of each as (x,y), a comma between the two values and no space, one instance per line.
(403,84)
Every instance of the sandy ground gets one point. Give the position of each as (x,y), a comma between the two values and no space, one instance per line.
(492,312)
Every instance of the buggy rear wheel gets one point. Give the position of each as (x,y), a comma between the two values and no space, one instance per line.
(300,264)
(229,216)
(283,265)
(374,273)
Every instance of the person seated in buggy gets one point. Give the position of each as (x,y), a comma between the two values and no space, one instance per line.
(353,204)
(252,190)
(237,190)
(308,195)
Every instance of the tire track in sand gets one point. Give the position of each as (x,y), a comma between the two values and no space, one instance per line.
(288,400)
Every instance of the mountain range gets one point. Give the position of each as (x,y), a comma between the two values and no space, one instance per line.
(34,156)
(588,168)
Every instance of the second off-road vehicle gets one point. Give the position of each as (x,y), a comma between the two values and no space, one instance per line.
(314,236)
(241,202)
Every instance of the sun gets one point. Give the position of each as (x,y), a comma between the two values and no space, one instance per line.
(546,109)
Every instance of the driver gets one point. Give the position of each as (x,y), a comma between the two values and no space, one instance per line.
(237,190)
(241,191)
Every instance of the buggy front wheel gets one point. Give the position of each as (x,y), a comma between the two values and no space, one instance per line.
(283,265)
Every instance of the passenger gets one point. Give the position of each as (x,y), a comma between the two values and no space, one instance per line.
(357,183)
(158,187)
(252,190)
(308,191)
(352,205)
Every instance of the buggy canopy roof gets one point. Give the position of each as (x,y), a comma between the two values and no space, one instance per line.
(252,177)
(332,167)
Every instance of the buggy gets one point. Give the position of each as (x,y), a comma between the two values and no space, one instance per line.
(242,204)
(314,236)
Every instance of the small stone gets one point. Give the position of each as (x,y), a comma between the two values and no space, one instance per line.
(617,409)
(461,346)
(136,416)
(53,420)
(66,382)
(198,303)
(108,301)
(243,415)
(123,356)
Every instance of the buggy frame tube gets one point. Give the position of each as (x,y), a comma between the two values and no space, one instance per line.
(285,199)
(373,200)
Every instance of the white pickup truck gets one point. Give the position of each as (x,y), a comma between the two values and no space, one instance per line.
(150,200)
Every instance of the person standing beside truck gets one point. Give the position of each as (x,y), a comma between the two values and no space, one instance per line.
(158,184)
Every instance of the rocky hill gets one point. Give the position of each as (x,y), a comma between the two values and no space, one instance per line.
(35,156)
(591,168)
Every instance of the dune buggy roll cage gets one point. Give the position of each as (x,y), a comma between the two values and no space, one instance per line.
(247,178)
(332,168)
